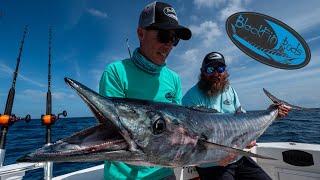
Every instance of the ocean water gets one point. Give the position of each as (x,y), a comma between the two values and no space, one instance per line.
(298,126)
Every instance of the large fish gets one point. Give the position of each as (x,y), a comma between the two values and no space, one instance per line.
(150,133)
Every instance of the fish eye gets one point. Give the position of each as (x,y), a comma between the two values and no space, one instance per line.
(159,126)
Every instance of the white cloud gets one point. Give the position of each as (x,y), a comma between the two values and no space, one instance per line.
(207,31)
(190,56)
(75,14)
(97,13)
(6,69)
(265,75)
(96,75)
(32,81)
(277,76)
(102,59)
(301,22)
(295,89)
(189,67)
(71,57)
(313,39)
(62,95)
(105,57)
(256,77)
(208,3)
(34,94)
(194,18)
(37,94)
(231,53)
(77,68)
(232,7)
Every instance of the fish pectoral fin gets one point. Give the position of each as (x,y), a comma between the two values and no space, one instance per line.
(234,150)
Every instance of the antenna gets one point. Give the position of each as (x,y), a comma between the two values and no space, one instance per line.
(127,41)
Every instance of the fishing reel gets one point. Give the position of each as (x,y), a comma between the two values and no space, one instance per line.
(50,119)
(7,120)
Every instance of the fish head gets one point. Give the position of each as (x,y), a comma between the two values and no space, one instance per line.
(158,131)
(129,130)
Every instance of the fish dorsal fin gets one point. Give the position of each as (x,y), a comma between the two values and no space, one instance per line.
(211,145)
(203,109)
(279,101)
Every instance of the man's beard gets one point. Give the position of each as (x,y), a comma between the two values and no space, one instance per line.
(212,86)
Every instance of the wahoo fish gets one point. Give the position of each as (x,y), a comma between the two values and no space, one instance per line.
(142,132)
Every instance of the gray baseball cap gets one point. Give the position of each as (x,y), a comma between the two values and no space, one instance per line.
(159,15)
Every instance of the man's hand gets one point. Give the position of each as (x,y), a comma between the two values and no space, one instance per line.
(283,110)
(251,144)
(227,160)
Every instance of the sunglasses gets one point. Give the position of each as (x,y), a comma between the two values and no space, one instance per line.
(166,36)
(211,69)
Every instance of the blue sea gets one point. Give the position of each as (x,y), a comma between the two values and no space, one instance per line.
(298,126)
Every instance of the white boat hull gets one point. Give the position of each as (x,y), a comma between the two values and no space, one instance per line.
(295,166)
(295,161)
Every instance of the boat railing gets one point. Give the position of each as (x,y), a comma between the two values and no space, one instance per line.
(17,171)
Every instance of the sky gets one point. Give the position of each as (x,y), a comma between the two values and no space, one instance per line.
(88,35)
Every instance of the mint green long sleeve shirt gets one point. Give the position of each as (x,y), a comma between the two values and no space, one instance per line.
(130,78)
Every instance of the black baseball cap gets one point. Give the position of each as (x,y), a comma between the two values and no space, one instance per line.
(213,58)
(159,15)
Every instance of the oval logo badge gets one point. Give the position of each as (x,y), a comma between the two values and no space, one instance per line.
(268,40)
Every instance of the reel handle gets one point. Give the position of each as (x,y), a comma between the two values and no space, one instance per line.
(64,114)
(7,120)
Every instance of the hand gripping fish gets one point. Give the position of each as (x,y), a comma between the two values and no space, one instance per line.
(150,133)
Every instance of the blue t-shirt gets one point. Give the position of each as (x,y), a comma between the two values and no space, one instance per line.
(225,102)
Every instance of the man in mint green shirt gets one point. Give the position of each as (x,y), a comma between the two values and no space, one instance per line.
(146,76)
(214,91)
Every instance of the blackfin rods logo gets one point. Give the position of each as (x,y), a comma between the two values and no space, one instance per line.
(268,40)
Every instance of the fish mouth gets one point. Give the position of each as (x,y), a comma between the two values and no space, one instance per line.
(108,138)
(88,145)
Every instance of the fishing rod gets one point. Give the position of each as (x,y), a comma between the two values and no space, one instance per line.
(8,118)
(49,119)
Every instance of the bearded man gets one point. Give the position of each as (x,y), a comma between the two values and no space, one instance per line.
(214,91)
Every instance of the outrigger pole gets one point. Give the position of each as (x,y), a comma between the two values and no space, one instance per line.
(49,119)
(8,118)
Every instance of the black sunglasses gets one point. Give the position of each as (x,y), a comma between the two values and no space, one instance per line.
(166,36)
